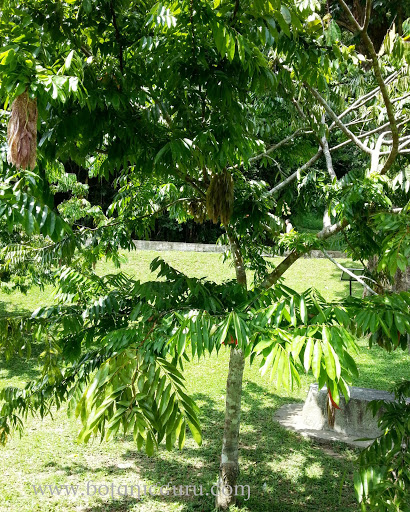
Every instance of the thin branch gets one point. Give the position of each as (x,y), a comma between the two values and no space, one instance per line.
(405,96)
(376,153)
(386,98)
(235,12)
(329,231)
(349,273)
(377,71)
(368,13)
(276,146)
(337,121)
(366,98)
(194,184)
(283,266)
(293,176)
(367,134)
(405,142)
(326,152)
(117,37)
(350,16)
(298,108)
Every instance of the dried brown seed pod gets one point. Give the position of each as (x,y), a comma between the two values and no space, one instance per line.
(219,197)
(197,210)
(22,132)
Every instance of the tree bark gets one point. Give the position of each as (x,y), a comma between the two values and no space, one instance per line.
(402,284)
(229,465)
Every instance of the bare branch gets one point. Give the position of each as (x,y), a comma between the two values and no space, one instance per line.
(404,143)
(400,98)
(368,13)
(366,98)
(376,153)
(283,266)
(350,16)
(329,231)
(349,273)
(293,176)
(337,121)
(276,146)
(377,71)
(387,102)
(368,134)
(326,152)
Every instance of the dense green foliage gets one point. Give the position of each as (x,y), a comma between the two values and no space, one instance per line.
(168,102)
(383,481)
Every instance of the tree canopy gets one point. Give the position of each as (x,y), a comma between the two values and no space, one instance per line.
(228,111)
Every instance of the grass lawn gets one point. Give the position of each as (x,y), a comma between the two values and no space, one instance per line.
(285,472)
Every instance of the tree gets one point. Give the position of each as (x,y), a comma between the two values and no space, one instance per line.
(180,94)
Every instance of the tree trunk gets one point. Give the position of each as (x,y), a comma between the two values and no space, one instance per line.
(402,284)
(229,465)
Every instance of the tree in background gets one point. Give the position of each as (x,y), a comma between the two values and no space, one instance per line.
(180,105)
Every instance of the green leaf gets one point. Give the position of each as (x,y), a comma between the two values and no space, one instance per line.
(150,445)
(317,358)
(241,48)
(224,329)
(351,365)
(286,14)
(307,359)
(87,6)
(282,23)
(269,359)
(230,47)
(68,60)
(196,433)
(328,354)
(303,310)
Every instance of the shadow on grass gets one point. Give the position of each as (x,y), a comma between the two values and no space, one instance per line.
(10,309)
(284,472)
(124,505)
(21,368)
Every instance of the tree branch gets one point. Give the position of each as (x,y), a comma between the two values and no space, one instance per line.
(326,152)
(366,98)
(350,16)
(349,273)
(293,176)
(368,12)
(283,266)
(237,257)
(377,71)
(337,121)
(117,37)
(276,146)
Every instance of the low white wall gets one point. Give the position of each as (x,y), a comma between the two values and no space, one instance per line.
(146,245)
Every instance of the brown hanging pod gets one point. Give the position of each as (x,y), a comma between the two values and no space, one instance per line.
(22,132)
(220,196)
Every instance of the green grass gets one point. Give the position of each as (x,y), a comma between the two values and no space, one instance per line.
(285,472)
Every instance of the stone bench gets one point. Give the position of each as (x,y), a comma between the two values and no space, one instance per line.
(353,421)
